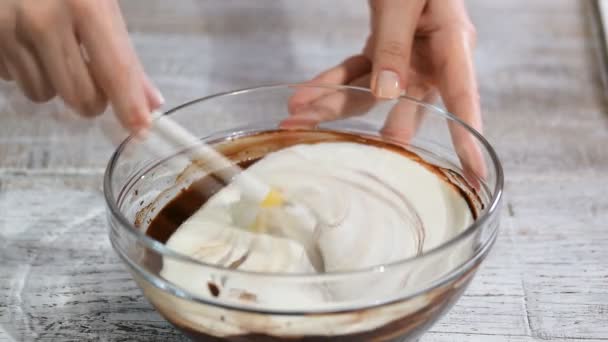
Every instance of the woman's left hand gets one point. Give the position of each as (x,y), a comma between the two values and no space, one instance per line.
(420,47)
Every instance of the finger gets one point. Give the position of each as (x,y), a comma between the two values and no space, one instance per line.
(458,87)
(68,72)
(114,64)
(405,117)
(457,82)
(21,61)
(344,73)
(4,74)
(7,40)
(23,66)
(394,29)
(338,104)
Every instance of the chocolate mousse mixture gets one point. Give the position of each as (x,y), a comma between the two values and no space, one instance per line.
(186,203)
(190,200)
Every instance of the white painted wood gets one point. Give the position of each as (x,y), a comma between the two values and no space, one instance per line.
(545,110)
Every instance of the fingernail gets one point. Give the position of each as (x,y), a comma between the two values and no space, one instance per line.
(160,99)
(388,85)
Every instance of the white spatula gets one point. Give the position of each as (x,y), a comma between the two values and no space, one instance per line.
(164,130)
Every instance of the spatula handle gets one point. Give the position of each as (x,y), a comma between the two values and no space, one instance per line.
(166,131)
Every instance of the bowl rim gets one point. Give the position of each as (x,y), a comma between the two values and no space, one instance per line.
(161,248)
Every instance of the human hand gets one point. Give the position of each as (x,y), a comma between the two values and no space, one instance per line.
(78,50)
(422,47)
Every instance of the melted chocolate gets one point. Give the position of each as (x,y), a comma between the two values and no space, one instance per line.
(186,203)
(405,328)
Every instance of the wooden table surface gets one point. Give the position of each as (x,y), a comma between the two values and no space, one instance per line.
(545,110)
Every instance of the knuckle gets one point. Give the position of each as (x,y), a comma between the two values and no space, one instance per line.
(134,116)
(471,94)
(80,6)
(41,95)
(82,97)
(92,107)
(381,6)
(392,49)
(131,123)
(46,96)
(87,104)
(86,8)
(34,86)
(4,73)
(7,21)
(72,101)
(464,30)
(35,20)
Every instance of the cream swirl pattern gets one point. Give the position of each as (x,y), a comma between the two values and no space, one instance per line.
(367,206)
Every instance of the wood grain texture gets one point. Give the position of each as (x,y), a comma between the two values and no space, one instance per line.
(545,109)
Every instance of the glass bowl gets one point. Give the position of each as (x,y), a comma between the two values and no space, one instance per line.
(390,302)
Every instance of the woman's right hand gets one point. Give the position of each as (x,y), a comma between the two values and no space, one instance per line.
(78,50)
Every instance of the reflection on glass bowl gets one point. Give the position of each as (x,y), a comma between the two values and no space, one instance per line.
(394,299)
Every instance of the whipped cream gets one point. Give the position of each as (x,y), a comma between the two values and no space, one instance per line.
(377,206)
